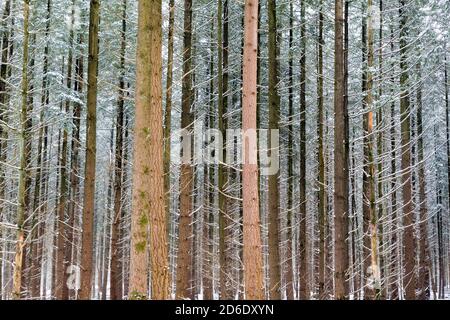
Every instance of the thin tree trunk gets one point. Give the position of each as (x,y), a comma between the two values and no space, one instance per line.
(273,191)
(115,291)
(186,179)
(303,245)
(408,214)
(372,285)
(168,112)
(289,234)
(63,256)
(424,275)
(23,141)
(322,207)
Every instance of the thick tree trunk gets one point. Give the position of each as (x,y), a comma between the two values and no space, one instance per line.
(148,172)
(91,155)
(253,264)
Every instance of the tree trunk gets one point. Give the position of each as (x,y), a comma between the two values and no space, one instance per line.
(372,285)
(168,113)
(148,172)
(322,207)
(91,154)
(273,191)
(23,141)
(340,160)
(408,214)
(253,264)
(303,245)
(184,266)
(289,276)
(424,275)
(115,291)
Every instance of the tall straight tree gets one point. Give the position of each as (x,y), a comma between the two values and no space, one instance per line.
(23,141)
(424,265)
(63,254)
(168,111)
(321,157)
(185,221)
(253,264)
(91,154)
(115,292)
(148,172)
(408,213)
(304,278)
(226,290)
(273,191)
(340,160)
(369,204)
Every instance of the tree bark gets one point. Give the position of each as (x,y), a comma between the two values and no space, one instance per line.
(340,161)
(408,214)
(91,155)
(253,265)
(184,263)
(148,172)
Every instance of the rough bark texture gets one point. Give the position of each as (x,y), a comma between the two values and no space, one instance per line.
(148,172)
(340,161)
(273,191)
(253,266)
(184,265)
(91,155)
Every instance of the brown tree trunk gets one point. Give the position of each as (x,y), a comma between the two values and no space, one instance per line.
(340,160)
(273,191)
(91,154)
(115,291)
(168,113)
(253,264)
(184,263)
(148,172)
(424,274)
(372,285)
(322,207)
(289,234)
(408,214)
(303,244)
(23,142)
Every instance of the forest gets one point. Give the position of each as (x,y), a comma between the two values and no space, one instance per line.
(224,150)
